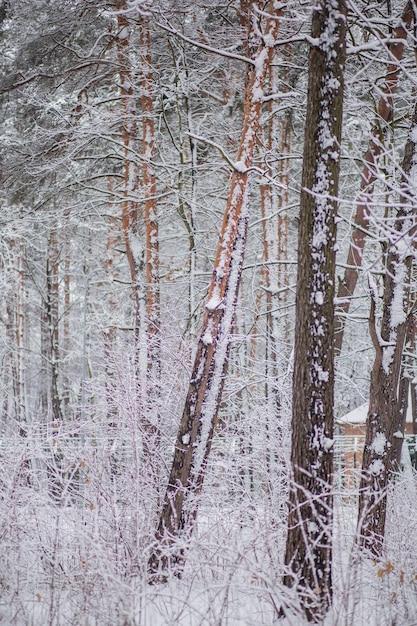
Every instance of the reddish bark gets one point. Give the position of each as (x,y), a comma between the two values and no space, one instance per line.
(199,417)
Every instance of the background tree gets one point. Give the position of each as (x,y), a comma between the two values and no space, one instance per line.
(386,421)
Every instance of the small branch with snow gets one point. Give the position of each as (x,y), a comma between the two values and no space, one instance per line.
(373,328)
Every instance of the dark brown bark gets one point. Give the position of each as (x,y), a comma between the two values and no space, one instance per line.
(379,460)
(199,417)
(309,542)
(348,283)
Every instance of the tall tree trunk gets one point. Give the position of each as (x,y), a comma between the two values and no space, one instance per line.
(389,341)
(347,284)
(151,437)
(198,420)
(309,542)
(131,173)
(52,304)
(142,255)
(16,317)
(404,389)
(269,280)
(66,339)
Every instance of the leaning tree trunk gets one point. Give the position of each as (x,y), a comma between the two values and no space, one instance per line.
(379,459)
(309,543)
(349,280)
(193,444)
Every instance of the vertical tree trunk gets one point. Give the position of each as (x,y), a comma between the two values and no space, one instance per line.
(66,339)
(309,541)
(283,198)
(152,296)
(16,327)
(347,284)
(109,335)
(142,253)
(404,390)
(389,341)
(131,173)
(52,306)
(198,420)
(269,281)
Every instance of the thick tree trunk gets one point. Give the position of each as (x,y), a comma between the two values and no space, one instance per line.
(198,420)
(348,283)
(309,542)
(379,459)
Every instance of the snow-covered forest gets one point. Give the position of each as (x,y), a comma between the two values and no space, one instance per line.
(208,258)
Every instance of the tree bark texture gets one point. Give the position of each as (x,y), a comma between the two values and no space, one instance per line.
(130,210)
(140,227)
(347,284)
(379,459)
(194,438)
(309,541)
(150,197)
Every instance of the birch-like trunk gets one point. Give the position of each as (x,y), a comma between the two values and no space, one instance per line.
(194,438)
(309,542)
(389,341)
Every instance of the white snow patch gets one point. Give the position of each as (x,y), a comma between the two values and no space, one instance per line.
(312,527)
(215,302)
(379,444)
(398,315)
(319,298)
(240,167)
(257,94)
(207,339)
(376,467)
(327,443)
(387,356)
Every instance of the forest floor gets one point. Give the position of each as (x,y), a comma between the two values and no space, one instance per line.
(85,564)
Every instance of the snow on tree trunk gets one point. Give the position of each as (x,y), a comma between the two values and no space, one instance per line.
(194,438)
(379,458)
(142,248)
(309,542)
(347,284)
(152,295)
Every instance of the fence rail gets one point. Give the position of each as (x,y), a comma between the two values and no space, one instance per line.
(60,461)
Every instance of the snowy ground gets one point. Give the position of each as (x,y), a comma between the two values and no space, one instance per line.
(84,564)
